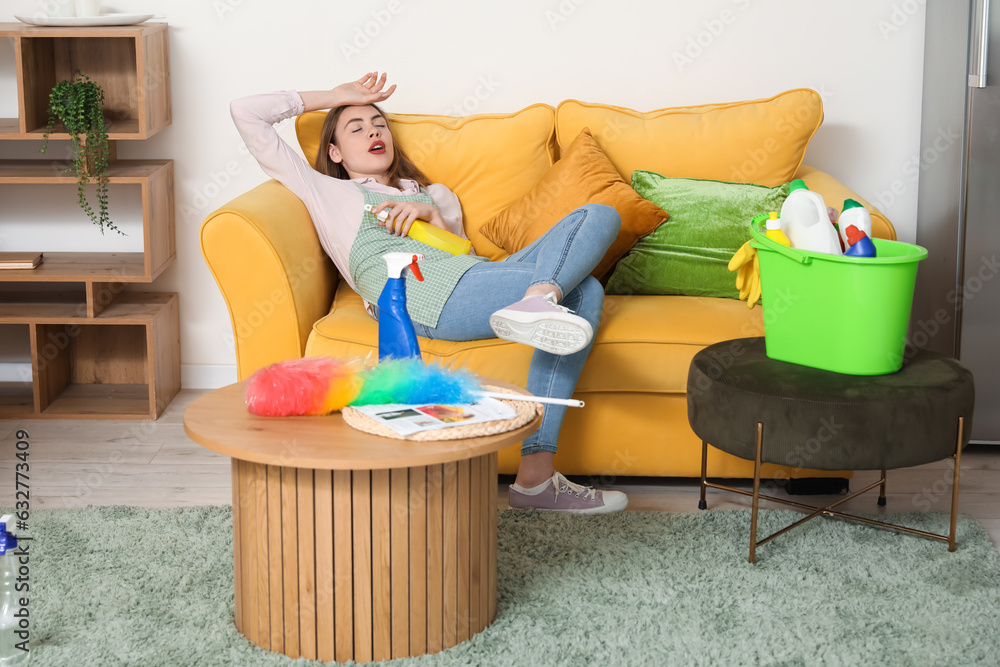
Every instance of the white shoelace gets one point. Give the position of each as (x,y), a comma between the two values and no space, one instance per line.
(563,485)
(551,298)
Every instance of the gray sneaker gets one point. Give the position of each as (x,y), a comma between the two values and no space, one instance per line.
(561,495)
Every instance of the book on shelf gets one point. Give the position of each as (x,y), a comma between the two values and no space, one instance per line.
(20,260)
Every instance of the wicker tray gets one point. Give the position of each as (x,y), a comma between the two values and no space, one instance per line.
(526,411)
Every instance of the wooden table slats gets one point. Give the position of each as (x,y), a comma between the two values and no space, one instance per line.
(377,564)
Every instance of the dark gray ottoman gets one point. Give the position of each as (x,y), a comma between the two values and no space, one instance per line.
(748,405)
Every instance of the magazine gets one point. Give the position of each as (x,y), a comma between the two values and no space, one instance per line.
(409,419)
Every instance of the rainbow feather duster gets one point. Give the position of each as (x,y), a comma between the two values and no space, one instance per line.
(321,385)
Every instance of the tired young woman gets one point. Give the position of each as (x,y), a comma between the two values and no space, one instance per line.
(542,296)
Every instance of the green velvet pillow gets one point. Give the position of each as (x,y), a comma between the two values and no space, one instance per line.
(689,253)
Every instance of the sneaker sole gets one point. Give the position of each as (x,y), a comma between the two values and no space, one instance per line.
(615,506)
(547,333)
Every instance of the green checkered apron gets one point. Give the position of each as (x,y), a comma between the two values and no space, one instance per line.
(441,270)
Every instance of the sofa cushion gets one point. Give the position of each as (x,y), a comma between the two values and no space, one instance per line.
(582,176)
(488,160)
(758,141)
(689,254)
(644,344)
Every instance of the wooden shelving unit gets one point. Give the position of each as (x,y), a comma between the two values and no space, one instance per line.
(98,349)
(130,63)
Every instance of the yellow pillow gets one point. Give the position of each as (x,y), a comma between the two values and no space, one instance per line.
(584,175)
(487,160)
(759,141)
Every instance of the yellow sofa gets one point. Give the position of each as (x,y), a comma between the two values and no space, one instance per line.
(286,300)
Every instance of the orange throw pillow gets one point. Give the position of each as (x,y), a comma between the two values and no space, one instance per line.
(584,175)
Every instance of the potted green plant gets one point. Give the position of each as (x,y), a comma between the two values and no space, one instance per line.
(79,105)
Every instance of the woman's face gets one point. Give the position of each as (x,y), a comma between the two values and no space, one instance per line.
(362,143)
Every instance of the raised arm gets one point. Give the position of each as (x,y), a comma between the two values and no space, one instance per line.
(256,115)
(366,90)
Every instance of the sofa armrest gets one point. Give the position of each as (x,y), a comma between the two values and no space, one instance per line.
(272,271)
(834,193)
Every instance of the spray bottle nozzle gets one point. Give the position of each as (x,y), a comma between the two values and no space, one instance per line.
(397,262)
(416,269)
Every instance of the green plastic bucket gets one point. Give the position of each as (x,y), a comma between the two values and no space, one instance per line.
(834,312)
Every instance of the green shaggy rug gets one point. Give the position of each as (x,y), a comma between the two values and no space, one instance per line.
(134,586)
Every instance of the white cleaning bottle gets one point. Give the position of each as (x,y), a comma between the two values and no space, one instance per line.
(805,221)
(854,214)
(10,636)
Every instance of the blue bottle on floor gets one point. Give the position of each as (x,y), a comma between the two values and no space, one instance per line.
(10,633)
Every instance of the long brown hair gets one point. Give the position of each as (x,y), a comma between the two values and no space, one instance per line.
(401,166)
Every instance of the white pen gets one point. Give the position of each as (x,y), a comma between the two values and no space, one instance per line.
(571,402)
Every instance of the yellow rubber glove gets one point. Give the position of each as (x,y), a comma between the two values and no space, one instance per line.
(747,267)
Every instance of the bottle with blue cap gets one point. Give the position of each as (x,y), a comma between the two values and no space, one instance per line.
(10,654)
(860,244)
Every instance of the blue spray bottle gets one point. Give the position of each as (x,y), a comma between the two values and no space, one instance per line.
(13,636)
(396,337)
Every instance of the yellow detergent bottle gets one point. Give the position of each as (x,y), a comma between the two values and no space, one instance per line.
(774,230)
(435,237)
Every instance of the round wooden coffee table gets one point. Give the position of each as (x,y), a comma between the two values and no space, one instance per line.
(350,546)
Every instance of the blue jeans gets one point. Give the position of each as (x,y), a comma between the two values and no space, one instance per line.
(565,255)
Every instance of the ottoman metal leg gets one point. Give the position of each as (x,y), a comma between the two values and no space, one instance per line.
(704,469)
(756,493)
(954,484)
(881,491)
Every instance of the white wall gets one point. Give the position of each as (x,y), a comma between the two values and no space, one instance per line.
(455,56)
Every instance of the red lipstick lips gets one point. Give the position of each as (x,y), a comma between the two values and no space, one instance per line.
(377,147)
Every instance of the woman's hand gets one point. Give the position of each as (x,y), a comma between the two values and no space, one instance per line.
(366,90)
(403,213)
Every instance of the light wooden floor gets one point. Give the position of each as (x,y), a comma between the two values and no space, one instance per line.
(79,463)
